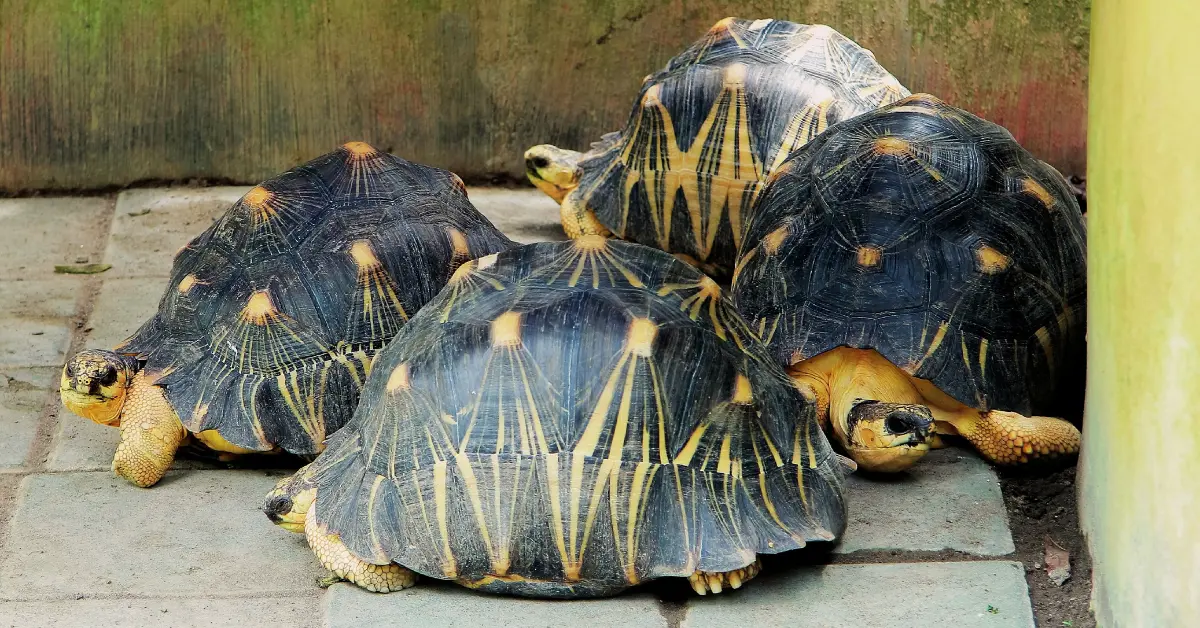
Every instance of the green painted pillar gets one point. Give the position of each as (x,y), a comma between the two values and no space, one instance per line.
(1140,467)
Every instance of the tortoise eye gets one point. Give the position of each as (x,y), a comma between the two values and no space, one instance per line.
(109,378)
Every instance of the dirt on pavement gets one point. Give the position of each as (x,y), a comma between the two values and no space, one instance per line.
(1042,509)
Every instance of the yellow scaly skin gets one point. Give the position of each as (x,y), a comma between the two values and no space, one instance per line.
(335,557)
(150,434)
(110,389)
(835,378)
(555,171)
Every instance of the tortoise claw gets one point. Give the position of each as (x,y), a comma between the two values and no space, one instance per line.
(705,582)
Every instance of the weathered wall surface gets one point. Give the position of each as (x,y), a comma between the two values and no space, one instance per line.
(96,93)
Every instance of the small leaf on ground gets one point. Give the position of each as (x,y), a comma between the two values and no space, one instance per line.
(81,269)
(1058,562)
(139,213)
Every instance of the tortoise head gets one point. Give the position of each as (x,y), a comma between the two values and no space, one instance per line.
(94,382)
(888,437)
(288,503)
(553,170)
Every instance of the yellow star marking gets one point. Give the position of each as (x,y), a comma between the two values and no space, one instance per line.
(741,390)
(259,308)
(363,255)
(590,243)
(707,291)
(803,126)
(257,197)
(363,162)
(775,239)
(399,379)
(506,330)
(465,282)
(462,272)
(684,457)
(640,338)
(1033,187)
(359,150)
(892,146)
(938,337)
(990,260)
(983,349)
(458,242)
(378,289)
(589,253)
(185,285)
(259,200)
(869,256)
(719,167)
(449,565)
(741,265)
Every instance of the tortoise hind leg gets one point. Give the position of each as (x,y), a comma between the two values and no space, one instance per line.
(336,557)
(150,435)
(1008,438)
(705,582)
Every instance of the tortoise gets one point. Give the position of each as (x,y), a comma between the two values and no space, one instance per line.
(921,275)
(266,331)
(704,132)
(567,420)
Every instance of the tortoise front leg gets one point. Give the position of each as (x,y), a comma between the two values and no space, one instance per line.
(336,557)
(1008,438)
(150,435)
(705,582)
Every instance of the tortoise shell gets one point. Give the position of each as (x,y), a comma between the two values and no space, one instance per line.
(931,236)
(571,419)
(707,128)
(267,329)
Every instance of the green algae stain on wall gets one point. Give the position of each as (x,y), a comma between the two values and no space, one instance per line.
(96,93)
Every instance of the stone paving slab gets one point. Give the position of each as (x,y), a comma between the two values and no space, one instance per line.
(23,395)
(525,215)
(38,233)
(35,320)
(285,612)
(195,533)
(920,595)
(143,243)
(121,308)
(441,604)
(951,499)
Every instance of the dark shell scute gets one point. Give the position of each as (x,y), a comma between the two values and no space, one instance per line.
(273,314)
(930,235)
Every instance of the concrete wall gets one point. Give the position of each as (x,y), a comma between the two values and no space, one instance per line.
(97,93)
(1138,499)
